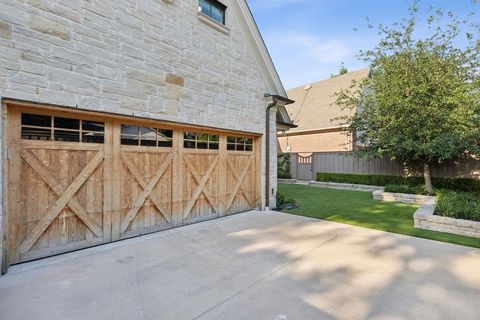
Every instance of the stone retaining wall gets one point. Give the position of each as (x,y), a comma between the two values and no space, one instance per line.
(400,197)
(424,217)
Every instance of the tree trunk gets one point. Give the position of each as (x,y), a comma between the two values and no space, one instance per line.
(428,178)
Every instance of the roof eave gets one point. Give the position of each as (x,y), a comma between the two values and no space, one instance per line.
(286,100)
(281,125)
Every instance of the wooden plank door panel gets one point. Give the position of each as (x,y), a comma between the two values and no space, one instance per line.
(56,193)
(61,201)
(145,192)
(201,177)
(240,182)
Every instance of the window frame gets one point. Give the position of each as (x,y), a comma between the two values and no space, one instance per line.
(53,129)
(209,141)
(214,4)
(244,142)
(138,135)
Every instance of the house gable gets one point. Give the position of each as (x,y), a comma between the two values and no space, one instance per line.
(261,54)
(254,38)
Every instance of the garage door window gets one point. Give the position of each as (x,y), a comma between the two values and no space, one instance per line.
(146,136)
(51,128)
(193,140)
(239,144)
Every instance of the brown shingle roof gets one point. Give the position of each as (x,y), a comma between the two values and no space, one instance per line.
(314,108)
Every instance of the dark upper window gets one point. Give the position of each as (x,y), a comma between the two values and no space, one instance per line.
(51,128)
(213,9)
(146,136)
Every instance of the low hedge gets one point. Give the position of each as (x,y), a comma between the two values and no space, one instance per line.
(401,188)
(458,184)
(373,180)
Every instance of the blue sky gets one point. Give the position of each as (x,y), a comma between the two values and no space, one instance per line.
(309,39)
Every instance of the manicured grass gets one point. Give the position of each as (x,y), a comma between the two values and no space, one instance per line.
(359,208)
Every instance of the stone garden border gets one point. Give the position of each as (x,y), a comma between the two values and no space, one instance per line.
(424,217)
(401,197)
(332,185)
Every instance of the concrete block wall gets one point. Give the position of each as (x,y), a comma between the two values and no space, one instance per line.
(150,58)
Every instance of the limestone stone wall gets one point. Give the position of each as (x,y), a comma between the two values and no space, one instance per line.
(150,58)
(145,57)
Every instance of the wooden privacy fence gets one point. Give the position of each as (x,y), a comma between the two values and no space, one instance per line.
(306,166)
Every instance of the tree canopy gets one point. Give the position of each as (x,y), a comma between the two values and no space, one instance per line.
(421,102)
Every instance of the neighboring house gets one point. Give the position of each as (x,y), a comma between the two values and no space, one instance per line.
(314,113)
(121,118)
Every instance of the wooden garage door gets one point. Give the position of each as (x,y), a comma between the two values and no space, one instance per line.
(56,191)
(76,180)
(143,164)
(240,174)
(201,183)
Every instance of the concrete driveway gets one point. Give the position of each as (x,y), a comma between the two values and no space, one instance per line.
(251,266)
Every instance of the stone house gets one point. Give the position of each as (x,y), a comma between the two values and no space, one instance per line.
(315,114)
(121,118)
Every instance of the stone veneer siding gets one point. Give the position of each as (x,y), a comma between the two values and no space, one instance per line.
(151,58)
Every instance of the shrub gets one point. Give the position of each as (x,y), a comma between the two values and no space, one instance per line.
(457,184)
(376,180)
(397,188)
(285,203)
(280,198)
(283,166)
(460,205)
(401,188)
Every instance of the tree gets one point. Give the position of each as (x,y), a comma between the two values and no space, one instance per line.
(421,102)
(342,70)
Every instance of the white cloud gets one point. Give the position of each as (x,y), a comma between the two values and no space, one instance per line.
(322,50)
(301,57)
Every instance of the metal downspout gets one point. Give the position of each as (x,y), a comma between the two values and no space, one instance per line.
(271,105)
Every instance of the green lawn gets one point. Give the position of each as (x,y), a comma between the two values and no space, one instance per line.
(359,208)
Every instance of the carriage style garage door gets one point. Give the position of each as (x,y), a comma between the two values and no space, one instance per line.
(78,179)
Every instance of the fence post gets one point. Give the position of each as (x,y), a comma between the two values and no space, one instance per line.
(313,166)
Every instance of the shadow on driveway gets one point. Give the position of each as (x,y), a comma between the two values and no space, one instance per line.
(254,265)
